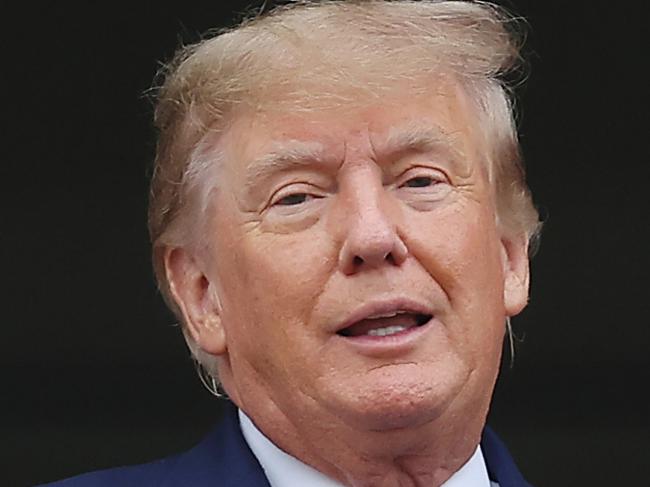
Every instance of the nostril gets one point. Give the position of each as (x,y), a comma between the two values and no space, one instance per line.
(358,261)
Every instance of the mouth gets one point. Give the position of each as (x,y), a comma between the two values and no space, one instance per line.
(385,323)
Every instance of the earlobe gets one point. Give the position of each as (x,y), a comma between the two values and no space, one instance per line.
(196,300)
(213,340)
(516,274)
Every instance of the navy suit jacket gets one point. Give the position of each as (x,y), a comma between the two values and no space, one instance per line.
(223,459)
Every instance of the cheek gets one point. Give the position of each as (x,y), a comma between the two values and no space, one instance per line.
(265,266)
(270,284)
(288,271)
(460,250)
(459,246)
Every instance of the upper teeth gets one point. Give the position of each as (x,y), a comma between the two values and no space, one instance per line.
(389,330)
(385,315)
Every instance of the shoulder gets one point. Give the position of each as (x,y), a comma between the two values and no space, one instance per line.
(222,455)
(170,471)
(138,475)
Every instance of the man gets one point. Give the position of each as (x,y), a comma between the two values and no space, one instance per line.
(340,220)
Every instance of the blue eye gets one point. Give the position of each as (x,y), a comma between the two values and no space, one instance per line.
(419,182)
(292,199)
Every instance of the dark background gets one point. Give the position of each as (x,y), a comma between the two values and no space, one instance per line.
(94,374)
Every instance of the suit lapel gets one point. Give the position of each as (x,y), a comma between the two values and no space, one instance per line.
(501,467)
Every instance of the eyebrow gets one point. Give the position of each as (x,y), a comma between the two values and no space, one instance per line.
(417,137)
(285,156)
(421,137)
(295,154)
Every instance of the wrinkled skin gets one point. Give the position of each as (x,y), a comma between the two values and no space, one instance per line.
(293,251)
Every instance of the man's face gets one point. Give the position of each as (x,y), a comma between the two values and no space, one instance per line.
(358,264)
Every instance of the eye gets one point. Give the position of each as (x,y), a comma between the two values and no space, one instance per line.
(420,182)
(292,199)
(295,196)
(423,187)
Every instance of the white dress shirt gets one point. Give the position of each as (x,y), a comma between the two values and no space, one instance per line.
(283,470)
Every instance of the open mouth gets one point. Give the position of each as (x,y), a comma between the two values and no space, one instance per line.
(386,324)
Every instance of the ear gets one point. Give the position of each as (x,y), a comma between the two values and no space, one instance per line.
(516,274)
(196,299)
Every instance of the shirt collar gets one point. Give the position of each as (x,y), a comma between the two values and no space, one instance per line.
(283,470)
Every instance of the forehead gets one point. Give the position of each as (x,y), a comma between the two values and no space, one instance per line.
(440,118)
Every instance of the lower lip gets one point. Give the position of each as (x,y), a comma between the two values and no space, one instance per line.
(396,343)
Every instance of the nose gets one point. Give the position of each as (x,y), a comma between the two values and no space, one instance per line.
(371,239)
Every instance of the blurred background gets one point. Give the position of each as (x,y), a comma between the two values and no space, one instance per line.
(94,372)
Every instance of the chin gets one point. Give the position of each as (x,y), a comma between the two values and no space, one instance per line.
(397,396)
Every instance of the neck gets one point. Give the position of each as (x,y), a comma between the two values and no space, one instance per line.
(425,453)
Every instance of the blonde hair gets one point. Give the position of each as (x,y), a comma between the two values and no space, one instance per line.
(311,55)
